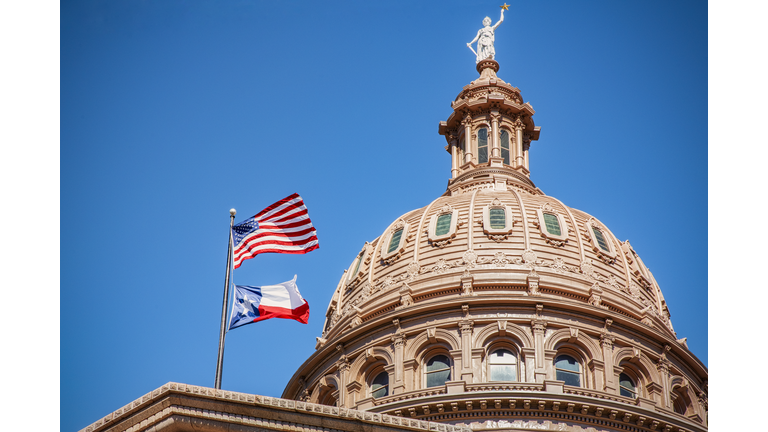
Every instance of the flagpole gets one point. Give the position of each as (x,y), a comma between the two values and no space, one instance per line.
(220,361)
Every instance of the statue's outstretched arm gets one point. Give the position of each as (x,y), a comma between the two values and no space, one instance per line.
(501,20)
(476,37)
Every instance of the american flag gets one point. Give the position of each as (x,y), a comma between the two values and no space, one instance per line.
(283,227)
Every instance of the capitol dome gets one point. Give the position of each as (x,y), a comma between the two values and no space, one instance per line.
(496,306)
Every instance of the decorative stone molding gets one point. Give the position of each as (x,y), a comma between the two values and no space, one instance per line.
(406,296)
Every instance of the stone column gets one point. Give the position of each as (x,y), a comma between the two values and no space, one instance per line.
(398,341)
(606,342)
(519,159)
(467,122)
(465,327)
(539,326)
(663,368)
(526,146)
(343,366)
(495,149)
(454,143)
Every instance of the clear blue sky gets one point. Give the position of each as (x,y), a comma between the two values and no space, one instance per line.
(173,112)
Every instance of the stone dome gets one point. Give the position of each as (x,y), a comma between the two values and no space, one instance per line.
(496,303)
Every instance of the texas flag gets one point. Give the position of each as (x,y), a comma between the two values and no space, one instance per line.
(254,303)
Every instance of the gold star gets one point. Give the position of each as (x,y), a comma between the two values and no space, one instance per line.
(505,6)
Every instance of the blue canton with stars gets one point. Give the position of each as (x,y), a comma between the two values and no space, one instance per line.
(245,308)
(241,230)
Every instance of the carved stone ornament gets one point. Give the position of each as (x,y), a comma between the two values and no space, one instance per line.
(500,259)
(413,270)
(470,259)
(606,257)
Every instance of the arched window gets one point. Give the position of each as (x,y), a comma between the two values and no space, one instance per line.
(380,385)
(678,404)
(438,371)
(482,145)
(505,146)
(627,386)
(502,366)
(567,369)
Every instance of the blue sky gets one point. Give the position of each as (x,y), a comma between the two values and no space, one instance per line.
(173,112)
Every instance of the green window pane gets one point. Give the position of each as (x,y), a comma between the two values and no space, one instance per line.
(505,146)
(443,224)
(567,369)
(380,385)
(482,145)
(357,266)
(395,241)
(552,224)
(438,378)
(600,239)
(498,218)
(438,363)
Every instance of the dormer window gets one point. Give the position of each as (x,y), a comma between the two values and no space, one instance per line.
(505,146)
(393,242)
(600,239)
(442,226)
(497,220)
(497,216)
(354,269)
(552,225)
(482,145)
(601,243)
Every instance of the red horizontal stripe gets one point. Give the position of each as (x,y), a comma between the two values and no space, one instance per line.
(285,210)
(300,314)
(254,248)
(288,233)
(277,204)
(292,252)
(297,237)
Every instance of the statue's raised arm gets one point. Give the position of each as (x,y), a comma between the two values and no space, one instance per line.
(485,38)
(501,20)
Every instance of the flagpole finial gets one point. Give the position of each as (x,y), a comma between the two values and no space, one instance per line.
(232,212)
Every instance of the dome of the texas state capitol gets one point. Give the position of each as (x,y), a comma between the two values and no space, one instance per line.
(497,306)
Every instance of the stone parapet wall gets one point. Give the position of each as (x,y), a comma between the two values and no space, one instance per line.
(183,407)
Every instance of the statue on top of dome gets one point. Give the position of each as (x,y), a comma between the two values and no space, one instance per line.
(485,38)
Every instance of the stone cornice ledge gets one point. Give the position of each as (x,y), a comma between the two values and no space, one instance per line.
(176,406)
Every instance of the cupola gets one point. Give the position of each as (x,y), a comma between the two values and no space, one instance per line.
(490,131)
